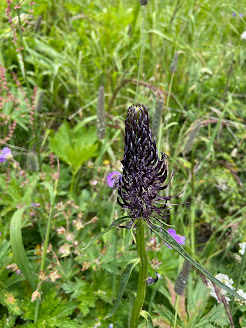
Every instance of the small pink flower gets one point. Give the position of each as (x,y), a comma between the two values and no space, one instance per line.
(112,178)
(179,239)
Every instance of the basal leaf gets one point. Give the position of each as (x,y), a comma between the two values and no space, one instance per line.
(18,248)
(123,283)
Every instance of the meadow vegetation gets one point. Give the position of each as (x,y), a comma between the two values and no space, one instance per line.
(63,61)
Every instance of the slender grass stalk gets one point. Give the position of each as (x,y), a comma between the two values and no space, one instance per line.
(23,53)
(115,237)
(38,108)
(101,126)
(141,52)
(193,214)
(46,243)
(152,298)
(141,290)
(167,102)
(176,311)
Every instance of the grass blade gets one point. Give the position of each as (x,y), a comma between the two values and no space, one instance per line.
(115,224)
(18,247)
(123,283)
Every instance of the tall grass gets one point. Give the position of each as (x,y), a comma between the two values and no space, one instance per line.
(81,46)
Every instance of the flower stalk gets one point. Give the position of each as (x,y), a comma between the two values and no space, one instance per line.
(141,291)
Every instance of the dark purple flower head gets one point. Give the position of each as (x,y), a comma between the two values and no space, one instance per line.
(144,173)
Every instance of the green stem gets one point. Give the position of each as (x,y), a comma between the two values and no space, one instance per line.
(46,243)
(141,291)
(72,182)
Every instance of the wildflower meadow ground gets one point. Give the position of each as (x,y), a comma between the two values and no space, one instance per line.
(122,164)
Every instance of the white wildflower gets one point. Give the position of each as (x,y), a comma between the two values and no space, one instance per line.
(243,36)
(243,294)
(242,246)
(238,257)
(226,281)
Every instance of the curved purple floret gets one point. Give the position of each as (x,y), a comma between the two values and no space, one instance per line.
(144,172)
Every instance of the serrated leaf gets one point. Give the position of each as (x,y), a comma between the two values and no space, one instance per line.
(87,301)
(7,321)
(74,146)
(162,233)
(75,288)
(7,298)
(115,224)
(123,283)
(17,247)
(216,316)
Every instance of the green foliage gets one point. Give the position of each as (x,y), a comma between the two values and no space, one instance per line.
(196,313)
(7,322)
(54,312)
(78,47)
(16,194)
(74,146)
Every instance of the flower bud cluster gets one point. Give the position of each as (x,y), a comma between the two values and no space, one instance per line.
(144,173)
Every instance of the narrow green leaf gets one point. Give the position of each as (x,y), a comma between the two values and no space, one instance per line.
(18,248)
(123,283)
(115,224)
(161,232)
(51,191)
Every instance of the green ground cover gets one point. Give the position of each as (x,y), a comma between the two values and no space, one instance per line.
(59,62)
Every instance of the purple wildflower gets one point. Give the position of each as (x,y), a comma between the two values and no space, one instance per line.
(179,239)
(35,204)
(144,172)
(5,154)
(241,15)
(233,14)
(113,178)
